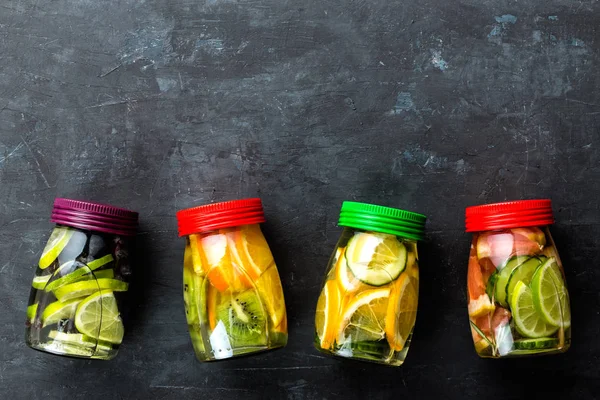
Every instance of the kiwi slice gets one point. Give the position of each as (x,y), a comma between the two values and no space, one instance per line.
(244,319)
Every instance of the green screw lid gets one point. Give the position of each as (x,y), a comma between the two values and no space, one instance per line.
(371,217)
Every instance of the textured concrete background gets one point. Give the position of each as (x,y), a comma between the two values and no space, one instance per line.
(425,105)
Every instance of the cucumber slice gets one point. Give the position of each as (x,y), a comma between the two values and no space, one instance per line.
(536,344)
(504,276)
(523,272)
(375,258)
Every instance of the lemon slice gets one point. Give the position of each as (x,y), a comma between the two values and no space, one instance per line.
(550,295)
(327,313)
(376,258)
(346,279)
(363,318)
(98,316)
(85,288)
(270,291)
(39,282)
(58,310)
(528,321)
(81,272)
(402,311)
(31,311)
(56,243)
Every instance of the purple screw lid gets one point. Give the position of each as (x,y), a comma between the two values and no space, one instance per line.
(94,217)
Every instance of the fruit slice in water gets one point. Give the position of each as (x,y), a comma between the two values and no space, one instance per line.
(402,311)
(347,281)
(244,319)
(535,344)
(363,318)
(198,260)
(73,271)
(550,294)
(532,234)
(39,282)
(58,310)
(271,293)
(192,286)
(77,339)
(528,321)
(503,277)
(85,288)
(250,250)
(523,273)
(97,316)
(375,258)
(327,313)
(31,311)
(479,301)
(56,243)
(221,272)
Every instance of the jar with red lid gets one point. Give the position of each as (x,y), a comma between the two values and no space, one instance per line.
(231,288)
(518,298)
(77,292)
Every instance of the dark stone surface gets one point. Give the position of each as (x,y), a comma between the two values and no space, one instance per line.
(426,105)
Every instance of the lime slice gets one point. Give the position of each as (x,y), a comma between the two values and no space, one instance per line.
(39,282)
(56,311)
(77,339)
(375,258)
(503,277)
(528,321)
(98,316)
(77,274)
(57,347)
(31,311)
(550,294)
(524,273)
(105,273)
(85,288)
(56,243)
(536,344)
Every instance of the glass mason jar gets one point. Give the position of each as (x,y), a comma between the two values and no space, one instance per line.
(518,298)
(368,305)
(76,295)
(231,289)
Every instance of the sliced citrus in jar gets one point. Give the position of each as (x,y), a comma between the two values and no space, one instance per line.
(550,295)
(197,260)
(327,313)
(402,311)
(346,279)
(222,274)
(58,310)
(32,311)
(85,288)
(250,249)
(98,317)
(56,243)
(363,318)
(271,293)
(375,258)
(528,321)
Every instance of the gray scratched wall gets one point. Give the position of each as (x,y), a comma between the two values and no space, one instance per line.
(426,105)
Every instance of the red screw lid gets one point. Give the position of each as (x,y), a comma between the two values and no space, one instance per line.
(220,215)
(510,214)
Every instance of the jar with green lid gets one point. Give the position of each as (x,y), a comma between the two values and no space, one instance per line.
(368,305)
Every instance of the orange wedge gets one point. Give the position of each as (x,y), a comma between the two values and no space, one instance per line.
(402,310)
(222,274)
(327,313)
(271,293)
(250,250)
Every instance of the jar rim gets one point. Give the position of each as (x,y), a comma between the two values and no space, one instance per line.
(226,214)
(509,214)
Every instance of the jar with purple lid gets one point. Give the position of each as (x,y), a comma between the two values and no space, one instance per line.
(80,280)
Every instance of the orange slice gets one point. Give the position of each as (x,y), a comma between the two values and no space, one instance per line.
(197,257)
(363,318)
(327,313)
(402,310)
(222,274)
(271,293)
(250,250)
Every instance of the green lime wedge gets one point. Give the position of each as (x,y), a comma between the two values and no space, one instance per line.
(81,273)
(31,311)
(87,287)
(56,243)
(39,282)
(77,339)
(550,295)
(105,273)
(58,310)
(528,321)
(523,273)
(98,316)
(535,344)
